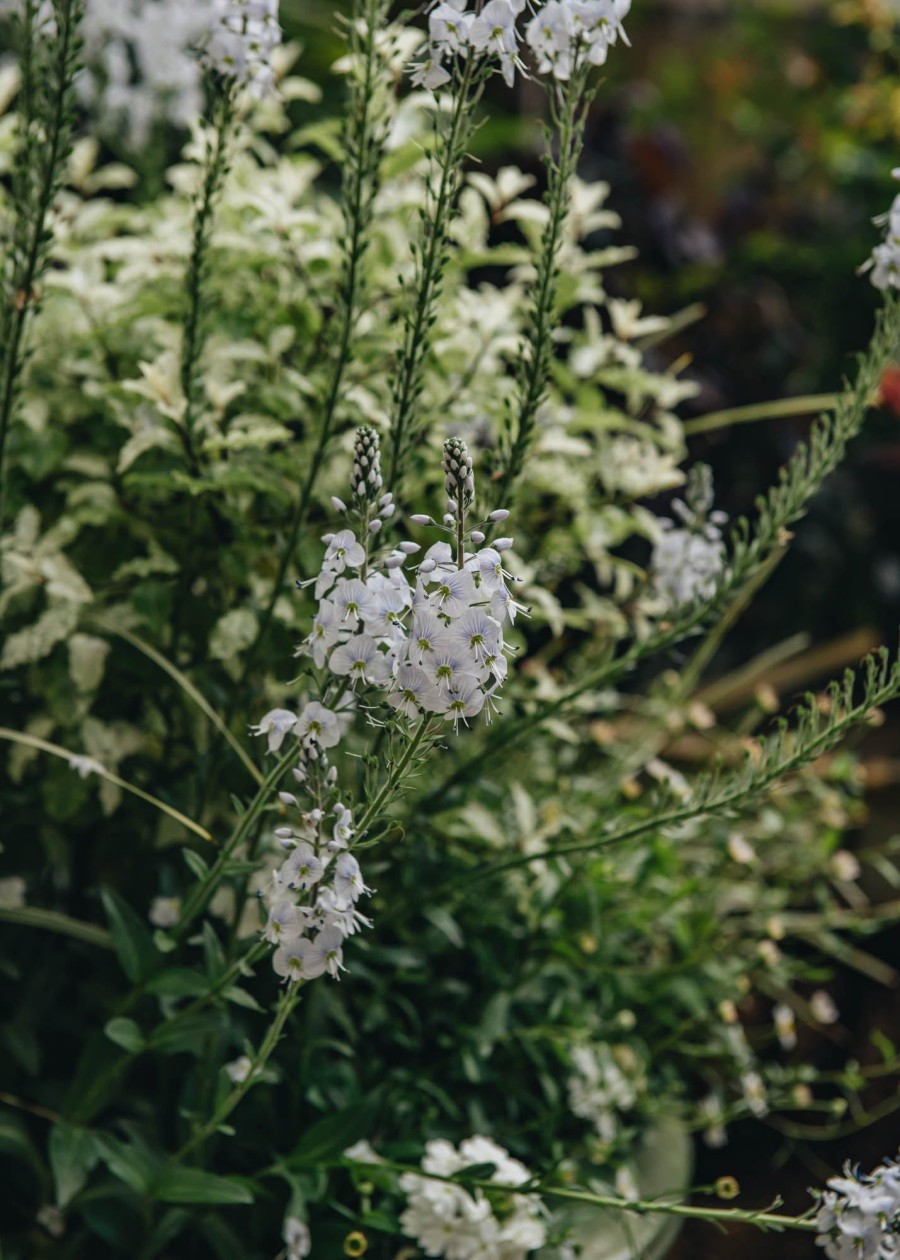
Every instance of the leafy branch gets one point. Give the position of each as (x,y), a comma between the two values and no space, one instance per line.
(47,122)
(750,548)
(821,724)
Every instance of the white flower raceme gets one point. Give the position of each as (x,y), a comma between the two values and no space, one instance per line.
(561,36)
(430,647)
(884,263)
(859,1215)
(689,558)
(296,1237)
(239,41)
(449,1220)
(600,1088)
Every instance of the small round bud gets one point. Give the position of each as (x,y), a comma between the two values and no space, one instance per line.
(374,526)
(499,515)
(394,561)
(284,833)
(331,776)
(451,507)
(477,536)
(287,798)
(409,548)
(315,815)
(338,504)
(420,519)
(428,566)
(327,538)
(503,544)
(387,511)
(449,519)
(299,774)
(385,499)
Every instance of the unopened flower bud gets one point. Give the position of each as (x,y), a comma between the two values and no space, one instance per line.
(428,566)
(287,798)
(385,499)
(366,480)
(388,510)
(327,538)
(338,504)
(394,560)
(499,515)
(331,776)
(502,544)
(459,481)
(284,833)
(420,519)
(449,519)
(477,536)
(409,548)
(374,526)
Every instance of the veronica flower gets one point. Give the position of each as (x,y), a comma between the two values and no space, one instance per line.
(464,701)
(285,921)
(298,960)
(478,634)
(348,881)
(414,692)
(276,724)
(427,634)
(303,868)
(454,593)
(361,660)
(326,951)
(352,600)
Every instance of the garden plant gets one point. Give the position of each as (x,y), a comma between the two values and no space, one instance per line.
(379,875)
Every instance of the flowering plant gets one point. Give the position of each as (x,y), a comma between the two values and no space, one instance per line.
(217,408)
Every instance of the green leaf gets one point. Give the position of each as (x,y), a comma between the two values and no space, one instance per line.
(195,862)
(241,997)
(213,952)
(193,1185)
(131,937)
(125,1033)
(184,1034)
(329,1137)
(14,1140)
(446,924)
(73,1155)
(178,982)
(132,1165)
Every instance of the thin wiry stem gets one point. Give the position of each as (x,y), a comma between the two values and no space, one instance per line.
(431,260)
(567,103)
(363,144)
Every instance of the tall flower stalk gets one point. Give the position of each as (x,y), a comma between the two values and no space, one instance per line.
(49,67)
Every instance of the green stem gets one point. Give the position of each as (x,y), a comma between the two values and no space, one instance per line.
(760,411)
(640,1207)
(200,894)
(433,256)
(566,100)
(52,153)
(213,180)
(395,777)
(286,1004)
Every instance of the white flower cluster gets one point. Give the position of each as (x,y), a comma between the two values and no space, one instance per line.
(562,35)
(885,261)
(435,647)
(859,1216)
(241,37)
(689,559)
(601,1088)
(140,57)
(449,1220)
(311,898)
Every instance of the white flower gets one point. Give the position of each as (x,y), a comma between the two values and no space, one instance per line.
(325,633)
(327,952)
(478,634)
(348,881)
(464,701)
(303,868)
(686,565)
(165,911)
(414,692)
(298,960)
(344,551)
(276,724)
(242,36)
(494,30)
(453,593)
(239,1069)
(296,1237)
(785,1026)
(285,921)
(859,1216)
(361,660)
(427,634)
(318,724)
(352,601)
(448,28)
